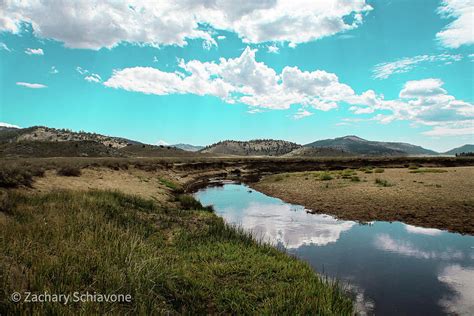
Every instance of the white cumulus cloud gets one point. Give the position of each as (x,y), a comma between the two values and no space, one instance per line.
(461,30)
(240,80)
(78,24)
(245,80)
(273,49)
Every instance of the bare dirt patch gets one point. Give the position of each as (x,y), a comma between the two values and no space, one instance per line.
(135,182)
(442,200)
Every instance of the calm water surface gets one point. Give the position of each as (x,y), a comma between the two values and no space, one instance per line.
(392,268)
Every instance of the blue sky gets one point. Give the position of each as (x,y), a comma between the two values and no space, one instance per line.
(202,71)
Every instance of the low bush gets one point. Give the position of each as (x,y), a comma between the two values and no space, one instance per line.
(15,177)
(69,171)
(278,178)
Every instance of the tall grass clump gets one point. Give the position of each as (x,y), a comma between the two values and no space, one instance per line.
(383,183)
(355,179)
(325,176)
(188,202)
(170,261)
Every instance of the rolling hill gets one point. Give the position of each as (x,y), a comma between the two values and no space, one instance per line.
(468,148)
(258,147)
(359,146)
(43,141)
(40,141)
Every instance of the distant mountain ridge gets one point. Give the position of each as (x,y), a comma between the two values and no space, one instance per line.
(257,147)
(188,147)
(49,142)
(359,146)
(468,148)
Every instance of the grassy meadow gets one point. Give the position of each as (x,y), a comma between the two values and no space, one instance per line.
(171,260)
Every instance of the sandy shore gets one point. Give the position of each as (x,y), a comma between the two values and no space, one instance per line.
(442,199)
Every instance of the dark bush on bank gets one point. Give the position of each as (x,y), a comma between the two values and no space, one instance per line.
(15,177)
(69,171)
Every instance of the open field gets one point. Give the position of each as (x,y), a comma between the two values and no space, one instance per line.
(128,229)
(429,197)
(70,223)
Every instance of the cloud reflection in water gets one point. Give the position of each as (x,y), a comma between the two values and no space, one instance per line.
(288,225)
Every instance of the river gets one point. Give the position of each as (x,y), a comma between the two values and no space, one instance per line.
(391,268)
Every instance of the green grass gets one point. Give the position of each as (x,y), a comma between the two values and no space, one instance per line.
(379,170)
(188,202)
(355,179)
(429,170)
(325,176)
(176,187)
(383,183)
(169,260)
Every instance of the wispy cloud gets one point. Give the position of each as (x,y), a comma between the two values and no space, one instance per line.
(81,70)
(31,85)
(93,78)
(403,65)
(34,51)
(302,113)
(53,70)
(450,131)
(4,46)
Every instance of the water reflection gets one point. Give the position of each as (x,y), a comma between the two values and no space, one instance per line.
(392,268)
(461,280)
(406,248)
(423,230)
(287,225)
